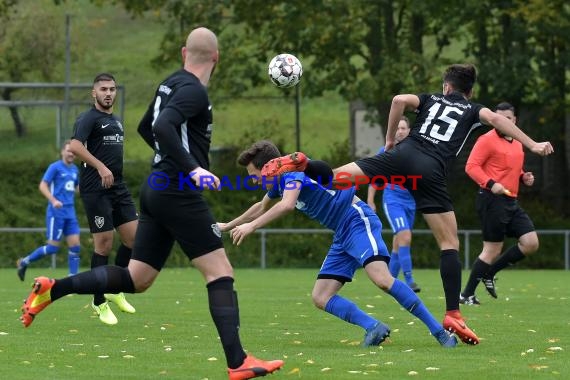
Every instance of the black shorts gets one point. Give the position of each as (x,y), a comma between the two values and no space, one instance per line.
(174,215)
(108,209)
(425,175)
(501,216)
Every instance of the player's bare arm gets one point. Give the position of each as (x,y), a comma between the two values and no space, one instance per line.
(284,206)
(508,128)
(400,104)
(81,151)
(255,211)
(44,189)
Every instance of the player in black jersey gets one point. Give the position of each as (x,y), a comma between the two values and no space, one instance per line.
(98,141)
(178,126)
(443,124)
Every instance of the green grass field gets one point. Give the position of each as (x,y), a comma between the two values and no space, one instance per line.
(524,334)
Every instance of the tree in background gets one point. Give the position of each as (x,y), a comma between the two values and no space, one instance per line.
(371,50)
(31,46)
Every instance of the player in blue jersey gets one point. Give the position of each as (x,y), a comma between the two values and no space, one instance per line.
(400,210)
(357,243)
(58,185)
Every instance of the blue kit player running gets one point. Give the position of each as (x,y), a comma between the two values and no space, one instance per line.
(400,210)
(58,185)
(357,243)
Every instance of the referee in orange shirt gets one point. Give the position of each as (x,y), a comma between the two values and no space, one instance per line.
(496,165)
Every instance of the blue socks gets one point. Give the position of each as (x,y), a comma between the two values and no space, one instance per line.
(411,302)
(394,265)
(39,253)
(347,311)
(406,263)
(73,259)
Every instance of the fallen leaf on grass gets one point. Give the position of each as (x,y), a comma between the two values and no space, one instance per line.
(432,369)
(412,373)
(293,371)
(325,369)
(555,349)
(212,359)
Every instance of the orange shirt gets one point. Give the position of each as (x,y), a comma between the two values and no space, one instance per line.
(494,157)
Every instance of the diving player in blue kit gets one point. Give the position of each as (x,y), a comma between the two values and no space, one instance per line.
(357,243)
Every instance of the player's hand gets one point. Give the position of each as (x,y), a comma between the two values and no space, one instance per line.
(389,144)
(56,204)
(240,232)
(499,189)
(222,226)
(528,178)
(107,178)
(542,148)
(204,179)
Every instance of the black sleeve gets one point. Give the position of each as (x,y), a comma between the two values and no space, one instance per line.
(145,126)
(169,141)
(83,127)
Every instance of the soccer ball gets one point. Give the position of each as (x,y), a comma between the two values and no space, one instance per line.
(285,70)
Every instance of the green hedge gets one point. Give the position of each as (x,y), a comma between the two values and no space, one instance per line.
(21,205)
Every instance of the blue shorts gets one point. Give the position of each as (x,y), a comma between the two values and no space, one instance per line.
(357,241)
(58,227)
(401,217)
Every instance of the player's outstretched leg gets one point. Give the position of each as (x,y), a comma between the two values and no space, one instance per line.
(254,367)
(294,162)
(39,299)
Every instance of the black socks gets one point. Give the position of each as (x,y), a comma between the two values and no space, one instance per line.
(225,313)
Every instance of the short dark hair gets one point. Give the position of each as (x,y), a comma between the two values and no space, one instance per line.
(405,118)
(462,77)
(103,77)
(505,106)
(259,154)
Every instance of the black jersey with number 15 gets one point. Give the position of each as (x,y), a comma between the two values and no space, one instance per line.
(443,124)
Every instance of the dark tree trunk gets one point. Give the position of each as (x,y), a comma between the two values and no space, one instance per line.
(18,124)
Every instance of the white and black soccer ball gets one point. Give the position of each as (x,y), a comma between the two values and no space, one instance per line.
(285,70)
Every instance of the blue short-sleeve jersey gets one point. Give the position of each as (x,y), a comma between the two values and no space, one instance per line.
(62,180)
(327,206)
